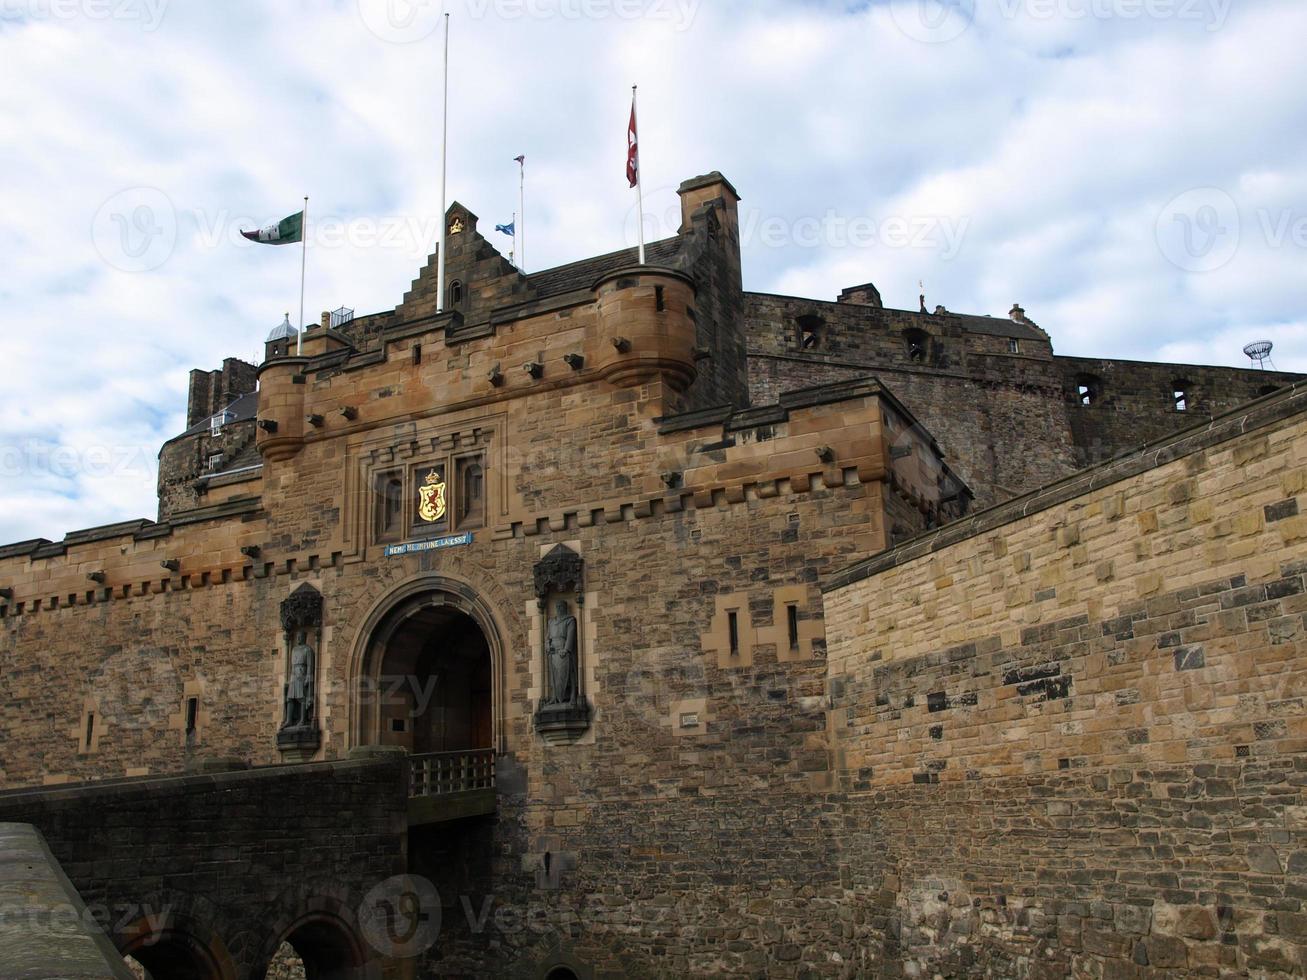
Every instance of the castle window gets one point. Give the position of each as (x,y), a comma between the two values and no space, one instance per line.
(1089,390)
(90,729)
(390,507)
(471,492)
(810,327)
(917,341)
(1013,346)
(215,462)
(792,613)
(733,626)
(192,714)
(1180,396)
(660,299)
(218,421)
(455,294)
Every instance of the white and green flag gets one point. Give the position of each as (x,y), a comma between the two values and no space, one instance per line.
(288,231)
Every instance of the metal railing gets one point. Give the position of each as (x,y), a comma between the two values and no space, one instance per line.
(443,773)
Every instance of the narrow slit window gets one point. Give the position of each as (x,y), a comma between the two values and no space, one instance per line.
(733,626)
(660,299)
(90,728)
(792,614)
(417,354)
(192,714)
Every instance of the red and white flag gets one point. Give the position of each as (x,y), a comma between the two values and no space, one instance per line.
(633,150)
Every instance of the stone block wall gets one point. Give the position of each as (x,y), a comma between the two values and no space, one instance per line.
(1072,728)
(232,860)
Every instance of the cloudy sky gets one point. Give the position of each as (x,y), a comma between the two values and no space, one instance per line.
(1131,171)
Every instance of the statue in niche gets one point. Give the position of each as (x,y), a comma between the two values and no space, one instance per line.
(299,685)
(560,655)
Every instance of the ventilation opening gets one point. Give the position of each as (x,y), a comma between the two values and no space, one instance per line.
(1180,396)
(1089,390)
(917,341)
(810,329)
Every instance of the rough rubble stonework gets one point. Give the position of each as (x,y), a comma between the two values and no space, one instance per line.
(1060,736)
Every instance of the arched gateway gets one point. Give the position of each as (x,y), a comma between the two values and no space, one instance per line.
(427,671)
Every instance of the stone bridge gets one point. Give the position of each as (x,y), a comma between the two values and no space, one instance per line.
(205,876)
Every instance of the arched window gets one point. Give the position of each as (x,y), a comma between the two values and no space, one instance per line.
(471,492)
(917,341)
(455,294)
(810,328)
(390,507)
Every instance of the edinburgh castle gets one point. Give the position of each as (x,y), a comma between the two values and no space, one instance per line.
(614,621)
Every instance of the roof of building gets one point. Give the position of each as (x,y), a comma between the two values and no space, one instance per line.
(998,326)
(243,409)
(584,274)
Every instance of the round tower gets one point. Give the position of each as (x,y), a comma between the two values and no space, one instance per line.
(280,424)
(647,328)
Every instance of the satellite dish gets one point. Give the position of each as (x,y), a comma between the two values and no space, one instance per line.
(1258,352)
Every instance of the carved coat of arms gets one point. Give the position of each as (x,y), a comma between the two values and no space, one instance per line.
(431,498)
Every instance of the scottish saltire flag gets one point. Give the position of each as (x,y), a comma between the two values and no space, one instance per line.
(287,231)
(509,229)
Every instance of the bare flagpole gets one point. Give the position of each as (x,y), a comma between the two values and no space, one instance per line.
(639,175)
(521,214)
(444,174)
(304,268)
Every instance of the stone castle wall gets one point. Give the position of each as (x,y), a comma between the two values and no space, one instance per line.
(1077,736)
(1009,422)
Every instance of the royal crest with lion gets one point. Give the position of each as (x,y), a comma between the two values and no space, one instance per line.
(431,498)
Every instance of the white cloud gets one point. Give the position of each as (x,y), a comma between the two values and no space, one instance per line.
(1054,142)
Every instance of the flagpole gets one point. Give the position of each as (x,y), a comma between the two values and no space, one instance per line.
(521,214)
(639,172)
(304,268)
(444,175)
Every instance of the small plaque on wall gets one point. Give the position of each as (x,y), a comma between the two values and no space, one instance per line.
(435,544)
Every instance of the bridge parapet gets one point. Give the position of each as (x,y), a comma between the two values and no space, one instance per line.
(451,785)
(46,930)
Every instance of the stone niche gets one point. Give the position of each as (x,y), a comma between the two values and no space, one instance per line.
(563,713)
(300,736)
